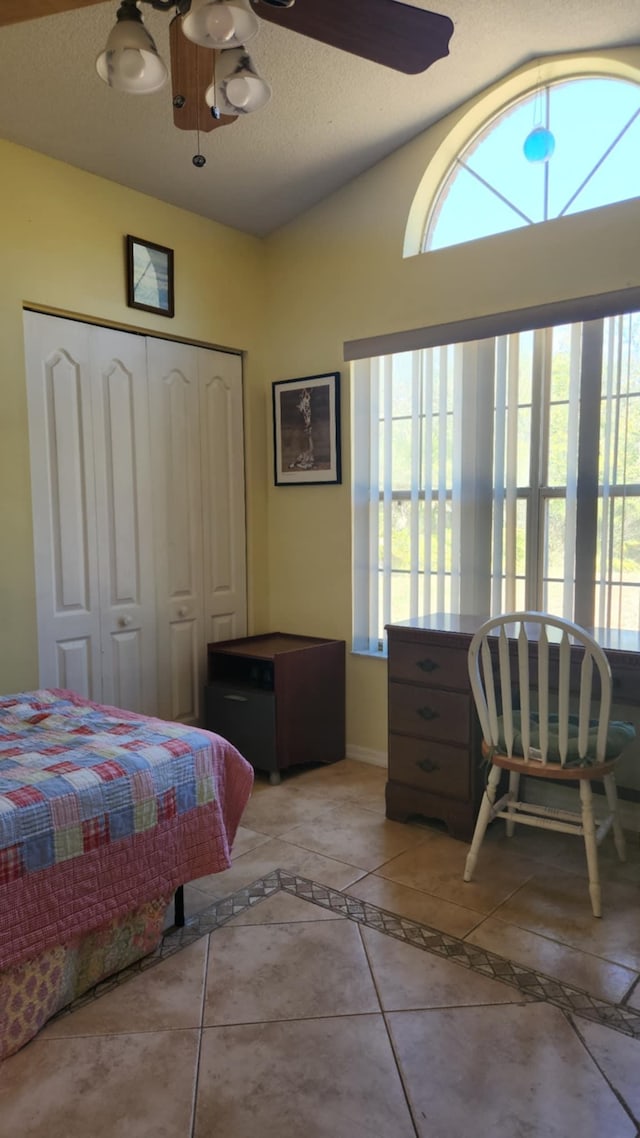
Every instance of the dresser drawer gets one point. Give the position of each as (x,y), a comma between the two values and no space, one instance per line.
(429,713)
(428,664)
(430,766)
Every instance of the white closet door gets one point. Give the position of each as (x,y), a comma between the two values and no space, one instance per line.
(222,463)
(123,507)
(88,423)
(177,519)
(64,504)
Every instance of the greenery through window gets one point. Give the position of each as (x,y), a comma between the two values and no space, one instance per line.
(500,474)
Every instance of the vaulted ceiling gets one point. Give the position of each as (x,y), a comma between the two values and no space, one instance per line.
(331,117)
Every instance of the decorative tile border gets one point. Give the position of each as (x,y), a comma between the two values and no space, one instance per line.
(533,985)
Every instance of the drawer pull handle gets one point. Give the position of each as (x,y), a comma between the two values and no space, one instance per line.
(427,713)
(237,698)
(427,665)
(428,766)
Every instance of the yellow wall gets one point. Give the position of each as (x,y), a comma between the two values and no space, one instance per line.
(62,247)
(334,275)
(338,274)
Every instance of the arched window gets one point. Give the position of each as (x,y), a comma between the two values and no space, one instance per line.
(544,144)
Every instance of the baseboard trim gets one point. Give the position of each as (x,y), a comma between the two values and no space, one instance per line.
(366,755)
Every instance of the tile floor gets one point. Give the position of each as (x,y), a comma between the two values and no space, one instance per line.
(341,981)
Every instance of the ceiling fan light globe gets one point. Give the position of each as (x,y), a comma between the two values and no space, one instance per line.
(220,23)
(211,98)
(240,89)
(130,60)
(238,93)
(129,63)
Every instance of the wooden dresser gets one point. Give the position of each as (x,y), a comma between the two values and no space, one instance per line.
(434,736)
(435,758)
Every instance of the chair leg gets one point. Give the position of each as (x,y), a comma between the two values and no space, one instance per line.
(514,787)
(484,817)
(609,781)
(590,845)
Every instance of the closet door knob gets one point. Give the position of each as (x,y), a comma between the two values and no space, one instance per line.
(183,611)
(125,621)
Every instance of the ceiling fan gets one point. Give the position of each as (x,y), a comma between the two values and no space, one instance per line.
(212,87)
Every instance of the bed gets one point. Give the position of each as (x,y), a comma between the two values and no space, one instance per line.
(103,815)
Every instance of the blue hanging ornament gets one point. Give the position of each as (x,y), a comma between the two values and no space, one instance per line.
(539,145)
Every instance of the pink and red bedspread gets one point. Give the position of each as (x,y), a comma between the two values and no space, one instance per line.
(101,810)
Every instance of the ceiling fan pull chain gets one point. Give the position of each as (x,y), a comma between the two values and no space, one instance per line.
(215,109)
(198,159)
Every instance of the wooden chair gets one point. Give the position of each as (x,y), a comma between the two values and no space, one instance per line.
(526,671)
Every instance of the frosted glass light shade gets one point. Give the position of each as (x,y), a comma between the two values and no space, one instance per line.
(130,61)
(220,23)
(239,89)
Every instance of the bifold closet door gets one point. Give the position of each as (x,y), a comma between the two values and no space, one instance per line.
(91,492)
(197,470)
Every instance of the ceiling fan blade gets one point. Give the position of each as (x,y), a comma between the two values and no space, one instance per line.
(191,74)
(397,35)
(15,11)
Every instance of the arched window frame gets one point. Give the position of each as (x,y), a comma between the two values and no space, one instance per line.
(477,116)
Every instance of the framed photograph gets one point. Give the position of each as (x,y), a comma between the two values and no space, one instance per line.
(149,276)
(306,430)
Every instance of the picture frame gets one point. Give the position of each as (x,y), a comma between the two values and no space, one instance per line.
(149,276)
(306,430)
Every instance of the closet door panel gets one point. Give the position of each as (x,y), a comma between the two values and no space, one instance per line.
(177,518)
(222,464)
(64,508)
(125,538)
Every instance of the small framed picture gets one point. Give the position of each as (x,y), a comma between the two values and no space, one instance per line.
(149,276)
(306,430)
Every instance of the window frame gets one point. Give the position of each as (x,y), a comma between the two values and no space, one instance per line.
(585,583)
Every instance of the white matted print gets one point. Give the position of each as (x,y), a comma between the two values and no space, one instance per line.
(306,430)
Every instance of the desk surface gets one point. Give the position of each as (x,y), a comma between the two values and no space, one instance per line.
(611,639)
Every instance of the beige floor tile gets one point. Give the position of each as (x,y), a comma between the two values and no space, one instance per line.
(566,851)
(272,814)
(276,854)
(277,972)
(505,1072)
(618,1057)
(195,901)
(407,977)
(634,998)
(246,840)
(557,906)
(347,773)
(599,977)
(406,902)
(167,996)
(102,1087)
(328,1078)
(282,908)
(347,781)
(359,837)
(436,866)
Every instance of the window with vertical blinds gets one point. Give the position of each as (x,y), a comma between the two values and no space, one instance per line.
(499,474)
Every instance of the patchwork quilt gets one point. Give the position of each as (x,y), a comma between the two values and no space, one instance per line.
(100,810)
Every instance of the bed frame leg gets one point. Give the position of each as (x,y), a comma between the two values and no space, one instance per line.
(178,907)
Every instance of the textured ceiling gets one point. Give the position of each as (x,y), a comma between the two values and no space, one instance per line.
(331,116)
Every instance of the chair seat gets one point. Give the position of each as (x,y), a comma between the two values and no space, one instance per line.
(535,769)
(619,734)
